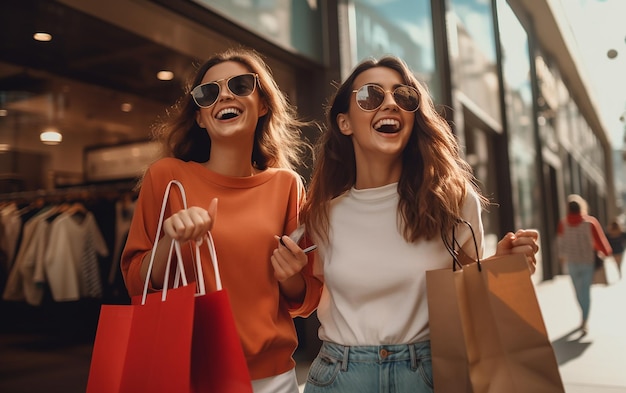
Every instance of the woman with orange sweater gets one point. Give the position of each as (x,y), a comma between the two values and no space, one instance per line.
(234,138)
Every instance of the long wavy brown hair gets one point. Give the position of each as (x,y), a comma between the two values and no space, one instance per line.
(434,181)
(277,141)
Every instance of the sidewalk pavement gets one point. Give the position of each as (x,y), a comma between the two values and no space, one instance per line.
(596,362)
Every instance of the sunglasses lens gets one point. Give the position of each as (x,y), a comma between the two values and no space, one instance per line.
(407,98)
(370,97)
(242,85)
(205,95)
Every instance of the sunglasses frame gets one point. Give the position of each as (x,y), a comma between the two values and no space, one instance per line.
(219,87)
(393,92)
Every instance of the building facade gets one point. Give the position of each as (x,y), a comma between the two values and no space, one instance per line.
(500,71)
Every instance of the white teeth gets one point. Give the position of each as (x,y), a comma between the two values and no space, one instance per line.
(226,111)
(387,122)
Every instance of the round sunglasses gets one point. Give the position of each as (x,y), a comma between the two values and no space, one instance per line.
(370,97)
(205,95)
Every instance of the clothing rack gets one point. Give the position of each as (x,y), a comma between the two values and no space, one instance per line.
(73,193)
(102,200)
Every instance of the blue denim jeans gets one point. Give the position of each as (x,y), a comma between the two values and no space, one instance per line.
(582,277)
(371,369)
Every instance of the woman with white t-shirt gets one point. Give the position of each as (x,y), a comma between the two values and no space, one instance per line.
(388,181)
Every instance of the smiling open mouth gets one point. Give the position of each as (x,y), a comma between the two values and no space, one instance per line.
(387,126)
(228,113)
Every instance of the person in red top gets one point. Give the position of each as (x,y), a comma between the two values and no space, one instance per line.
(580,237)
(234,138)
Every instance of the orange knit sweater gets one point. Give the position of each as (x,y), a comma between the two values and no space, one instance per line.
(250,212)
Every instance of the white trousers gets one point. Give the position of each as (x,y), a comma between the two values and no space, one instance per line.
(283,383)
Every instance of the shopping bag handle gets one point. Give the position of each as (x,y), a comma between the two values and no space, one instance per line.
(451,246)
(211,246)
(175,245)
(208,240)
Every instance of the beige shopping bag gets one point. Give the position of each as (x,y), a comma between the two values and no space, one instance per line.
(487,330)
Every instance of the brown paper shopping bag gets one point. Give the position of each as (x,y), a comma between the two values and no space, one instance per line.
(447,338)
(487,330)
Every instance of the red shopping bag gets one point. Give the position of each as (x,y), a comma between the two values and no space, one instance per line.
(108,357)
(144,348)
(218,363)
(180,340)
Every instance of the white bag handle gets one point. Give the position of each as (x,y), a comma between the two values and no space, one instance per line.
(208,239)
(216,269)
(175,245)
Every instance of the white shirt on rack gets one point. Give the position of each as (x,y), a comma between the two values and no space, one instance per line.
(64,259)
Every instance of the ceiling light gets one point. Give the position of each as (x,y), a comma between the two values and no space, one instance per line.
(165,75)
(126,107)
(51,137)
(3,112)
(42,36)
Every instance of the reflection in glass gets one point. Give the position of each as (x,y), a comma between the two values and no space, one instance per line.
(519,115)
(399,27)
(473,54)
(292,24)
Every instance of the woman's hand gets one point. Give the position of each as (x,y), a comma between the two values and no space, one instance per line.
(288,260)
(524,241)
(191,223)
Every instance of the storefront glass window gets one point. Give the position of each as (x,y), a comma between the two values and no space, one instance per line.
(519,115)
(293,24)
(398,27)
(473,55)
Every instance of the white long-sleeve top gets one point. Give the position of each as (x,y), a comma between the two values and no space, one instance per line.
(65,261)
(374,281)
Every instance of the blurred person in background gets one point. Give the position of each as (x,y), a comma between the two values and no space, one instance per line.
(617,239)
(580,238)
